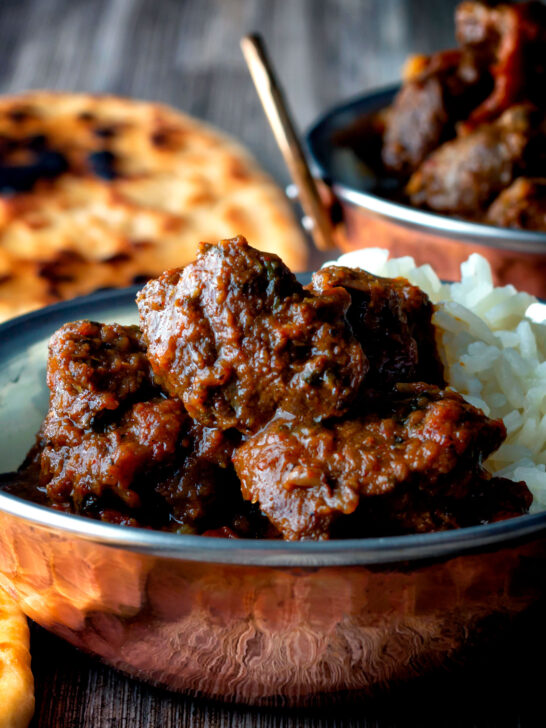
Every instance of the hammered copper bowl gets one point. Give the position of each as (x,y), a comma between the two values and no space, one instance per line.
(255,622)
(516,256)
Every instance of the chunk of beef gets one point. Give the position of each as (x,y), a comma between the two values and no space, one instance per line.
(522,205)
(116,462)
(108,427)
(391,320)
(396,470)
(426,109)
(236,337)
(509,42)
(93,368)
(462,176)
(460,499)
(202,491)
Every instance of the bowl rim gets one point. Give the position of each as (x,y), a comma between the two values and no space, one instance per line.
(316,136)
(350,552)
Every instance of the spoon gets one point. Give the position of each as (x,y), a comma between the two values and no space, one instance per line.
(280,119)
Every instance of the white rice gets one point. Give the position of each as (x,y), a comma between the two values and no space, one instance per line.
(493,345)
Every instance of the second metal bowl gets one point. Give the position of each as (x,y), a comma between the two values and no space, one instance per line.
(516,256)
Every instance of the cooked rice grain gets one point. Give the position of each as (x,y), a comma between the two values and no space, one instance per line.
(493,344)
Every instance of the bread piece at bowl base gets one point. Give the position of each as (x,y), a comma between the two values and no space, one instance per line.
(16,681)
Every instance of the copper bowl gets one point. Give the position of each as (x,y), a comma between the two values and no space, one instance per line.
(516,256)
(256,622)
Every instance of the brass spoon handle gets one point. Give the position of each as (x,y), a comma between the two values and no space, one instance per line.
(279,117)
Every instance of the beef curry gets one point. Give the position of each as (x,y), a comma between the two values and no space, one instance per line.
(246,405)
(466,134)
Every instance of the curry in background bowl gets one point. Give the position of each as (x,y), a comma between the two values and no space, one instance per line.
(453,161)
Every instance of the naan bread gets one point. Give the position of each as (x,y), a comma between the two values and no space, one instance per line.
(16,681)
(99,191)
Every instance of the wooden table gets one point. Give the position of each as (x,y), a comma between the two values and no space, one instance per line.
(186,53)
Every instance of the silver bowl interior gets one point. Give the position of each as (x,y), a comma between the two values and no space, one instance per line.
(23,403)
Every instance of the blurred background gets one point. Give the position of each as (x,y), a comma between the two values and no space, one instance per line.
(186,52)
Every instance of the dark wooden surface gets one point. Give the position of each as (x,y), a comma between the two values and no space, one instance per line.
(186,53)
